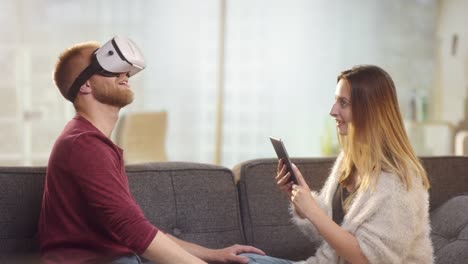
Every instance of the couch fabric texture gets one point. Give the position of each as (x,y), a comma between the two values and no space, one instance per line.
(216,207)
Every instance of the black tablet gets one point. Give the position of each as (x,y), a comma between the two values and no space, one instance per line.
(283,155)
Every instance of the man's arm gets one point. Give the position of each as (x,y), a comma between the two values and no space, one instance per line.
(224,255)
(163,250)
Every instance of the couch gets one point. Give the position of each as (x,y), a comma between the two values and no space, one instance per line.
(216,207)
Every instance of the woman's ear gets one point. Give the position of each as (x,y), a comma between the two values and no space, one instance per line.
(86,87)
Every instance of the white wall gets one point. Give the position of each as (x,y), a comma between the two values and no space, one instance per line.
(452,85)
(282,58)
(281,63)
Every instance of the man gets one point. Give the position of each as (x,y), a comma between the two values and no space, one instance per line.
(88,214)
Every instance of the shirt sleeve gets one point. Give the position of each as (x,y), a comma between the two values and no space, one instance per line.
(98,171)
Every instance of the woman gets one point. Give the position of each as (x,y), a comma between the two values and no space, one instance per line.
(374,206)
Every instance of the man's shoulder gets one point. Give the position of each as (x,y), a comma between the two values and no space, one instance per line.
(80,131)
(76,140)
(84,150)
(80,137)
(80,140)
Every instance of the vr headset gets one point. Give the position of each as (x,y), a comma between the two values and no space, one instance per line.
(118,55)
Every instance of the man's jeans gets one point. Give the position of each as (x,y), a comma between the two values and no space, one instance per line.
(131,259)
(259,259)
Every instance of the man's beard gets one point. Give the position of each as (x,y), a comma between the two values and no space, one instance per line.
(113,95)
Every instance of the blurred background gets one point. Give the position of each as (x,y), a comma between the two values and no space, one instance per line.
(227,74)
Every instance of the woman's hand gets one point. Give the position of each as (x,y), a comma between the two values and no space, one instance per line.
(301,197)
(344,243)
(282,178)
(286,186)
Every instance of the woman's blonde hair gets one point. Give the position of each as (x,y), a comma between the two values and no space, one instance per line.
(376,139)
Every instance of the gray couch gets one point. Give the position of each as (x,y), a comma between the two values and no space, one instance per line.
(217,207)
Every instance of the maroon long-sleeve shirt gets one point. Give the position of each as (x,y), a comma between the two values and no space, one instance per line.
(88,213)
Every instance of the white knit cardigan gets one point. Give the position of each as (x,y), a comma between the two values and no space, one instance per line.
(390,224)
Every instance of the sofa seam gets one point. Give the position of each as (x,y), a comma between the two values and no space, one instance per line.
(448,243)
(247,205)
(250,214)
(240,223)
(176,224)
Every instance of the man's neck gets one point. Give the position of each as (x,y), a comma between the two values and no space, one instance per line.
(103,117)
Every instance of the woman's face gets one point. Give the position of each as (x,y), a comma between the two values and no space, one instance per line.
(341,109)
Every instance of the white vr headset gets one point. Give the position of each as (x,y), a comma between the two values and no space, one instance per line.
(118,55)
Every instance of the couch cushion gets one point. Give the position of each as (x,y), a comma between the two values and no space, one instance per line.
(195,202)
(450,231)
(265,215)
(20,203)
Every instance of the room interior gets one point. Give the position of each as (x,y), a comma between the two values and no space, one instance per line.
(229,74)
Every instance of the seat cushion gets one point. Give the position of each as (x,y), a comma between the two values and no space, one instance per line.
(450,231)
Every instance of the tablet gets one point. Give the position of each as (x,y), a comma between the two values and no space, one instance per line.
(283,155)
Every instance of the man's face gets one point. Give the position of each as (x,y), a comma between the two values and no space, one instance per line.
(113,91)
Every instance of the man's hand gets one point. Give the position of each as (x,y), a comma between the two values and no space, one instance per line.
(231,254)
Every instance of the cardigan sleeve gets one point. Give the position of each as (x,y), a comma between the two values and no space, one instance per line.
(385,236)
(385,223)
(323,199)
(304,225)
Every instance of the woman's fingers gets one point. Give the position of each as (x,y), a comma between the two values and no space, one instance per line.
(299,177)
(294,190)
(286,188)
(281,173)
(283,183)
(280,165)
(282,178)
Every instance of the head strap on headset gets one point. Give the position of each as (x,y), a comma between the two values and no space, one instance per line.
(82,78)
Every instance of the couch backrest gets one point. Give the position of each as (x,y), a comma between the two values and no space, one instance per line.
(195,202)
(200,203)
(264,208)
(448,176)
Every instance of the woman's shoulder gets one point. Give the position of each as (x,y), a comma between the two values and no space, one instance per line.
(391,186)
(391,179)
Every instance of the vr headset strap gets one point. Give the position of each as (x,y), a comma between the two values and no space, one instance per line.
(82,78)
